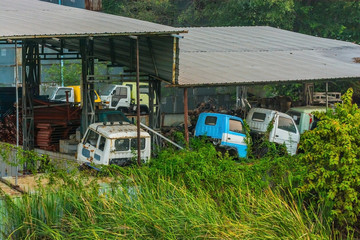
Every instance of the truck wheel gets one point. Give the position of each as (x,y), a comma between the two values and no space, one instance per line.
(233,153)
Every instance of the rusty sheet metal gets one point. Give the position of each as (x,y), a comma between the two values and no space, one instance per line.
(20,19)
(116,130)
(257,55)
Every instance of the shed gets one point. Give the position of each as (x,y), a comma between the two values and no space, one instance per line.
(211,56)
(141,46)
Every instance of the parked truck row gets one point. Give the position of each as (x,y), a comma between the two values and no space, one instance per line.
(116,143)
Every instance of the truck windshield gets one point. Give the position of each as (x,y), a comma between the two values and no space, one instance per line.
(107,89)
(128,144)
(61,94)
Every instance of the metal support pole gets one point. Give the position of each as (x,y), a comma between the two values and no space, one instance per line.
(17,110)
(186,114)
(327,97)
(138,102)
(237,97)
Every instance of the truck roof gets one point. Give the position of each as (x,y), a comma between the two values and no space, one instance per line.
(309,109)
(117,130)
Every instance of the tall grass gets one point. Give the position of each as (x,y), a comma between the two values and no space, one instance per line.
(138,209)
(181,195)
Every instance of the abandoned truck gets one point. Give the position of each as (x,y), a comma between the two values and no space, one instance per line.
(225,131)
(106,143)
(228,132)
(283,131)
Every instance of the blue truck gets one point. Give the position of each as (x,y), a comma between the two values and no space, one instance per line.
(225,131)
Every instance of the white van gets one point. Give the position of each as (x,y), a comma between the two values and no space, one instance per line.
(113,144)
(284,128)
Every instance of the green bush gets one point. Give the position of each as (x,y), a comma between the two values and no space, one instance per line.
(331,161)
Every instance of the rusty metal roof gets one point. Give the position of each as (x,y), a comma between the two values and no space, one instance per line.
(256,55)
(116,130)
(21,19)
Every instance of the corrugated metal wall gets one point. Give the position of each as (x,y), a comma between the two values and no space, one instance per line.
(7,65)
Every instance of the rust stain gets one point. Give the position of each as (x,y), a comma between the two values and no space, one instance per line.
(356,59)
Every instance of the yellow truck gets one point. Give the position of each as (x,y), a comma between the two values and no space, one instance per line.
(73,94)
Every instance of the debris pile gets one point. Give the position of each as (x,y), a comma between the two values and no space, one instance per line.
(8,127)
(52,122)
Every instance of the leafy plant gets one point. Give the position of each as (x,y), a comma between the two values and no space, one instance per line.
(331,161)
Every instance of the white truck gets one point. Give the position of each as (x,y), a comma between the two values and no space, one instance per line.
(284,130)
(105,144)
(122,97)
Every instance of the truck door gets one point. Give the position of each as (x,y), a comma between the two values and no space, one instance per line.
(120,97)
(99,151)
(235,137)
(89,146)
(285,131)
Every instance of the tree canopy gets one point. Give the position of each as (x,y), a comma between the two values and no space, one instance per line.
(323,18)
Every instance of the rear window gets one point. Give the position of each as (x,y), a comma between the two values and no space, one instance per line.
(210,120)
(259,117)
(286,124)
(295,115)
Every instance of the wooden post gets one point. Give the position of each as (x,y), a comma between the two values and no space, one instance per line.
(186,114)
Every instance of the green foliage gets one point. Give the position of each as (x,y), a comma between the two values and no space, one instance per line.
(331,161)
(160,11)
(71,72)
(331,19)
(201,168)
(133,206)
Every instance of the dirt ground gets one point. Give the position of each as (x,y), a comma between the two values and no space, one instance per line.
(26,183)
(29,183)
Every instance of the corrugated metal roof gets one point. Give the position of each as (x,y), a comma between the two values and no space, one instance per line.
(115,131)
(20,19)
(254,55)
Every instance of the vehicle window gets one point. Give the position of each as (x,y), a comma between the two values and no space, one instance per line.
(144,89)
(121,92)
(91,138)
(134,143)
(236,126)
(107,89)
(259,117)
(286,124)
(296,116)
(61,94)
(122,144)
(102,143)
(210,120)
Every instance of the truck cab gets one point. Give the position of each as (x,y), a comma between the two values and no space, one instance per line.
(71,94)
(225,131)
(116,97)
(304,117)
(105,144)
(284,130)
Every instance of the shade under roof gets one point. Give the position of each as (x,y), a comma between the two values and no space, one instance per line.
(257,55)
(21,19)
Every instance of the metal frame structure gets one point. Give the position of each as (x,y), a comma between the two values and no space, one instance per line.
(30,88)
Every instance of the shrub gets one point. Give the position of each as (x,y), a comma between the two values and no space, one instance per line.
(331,161)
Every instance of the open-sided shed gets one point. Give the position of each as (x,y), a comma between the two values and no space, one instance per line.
(141,46)
(211,56)
(241,56)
